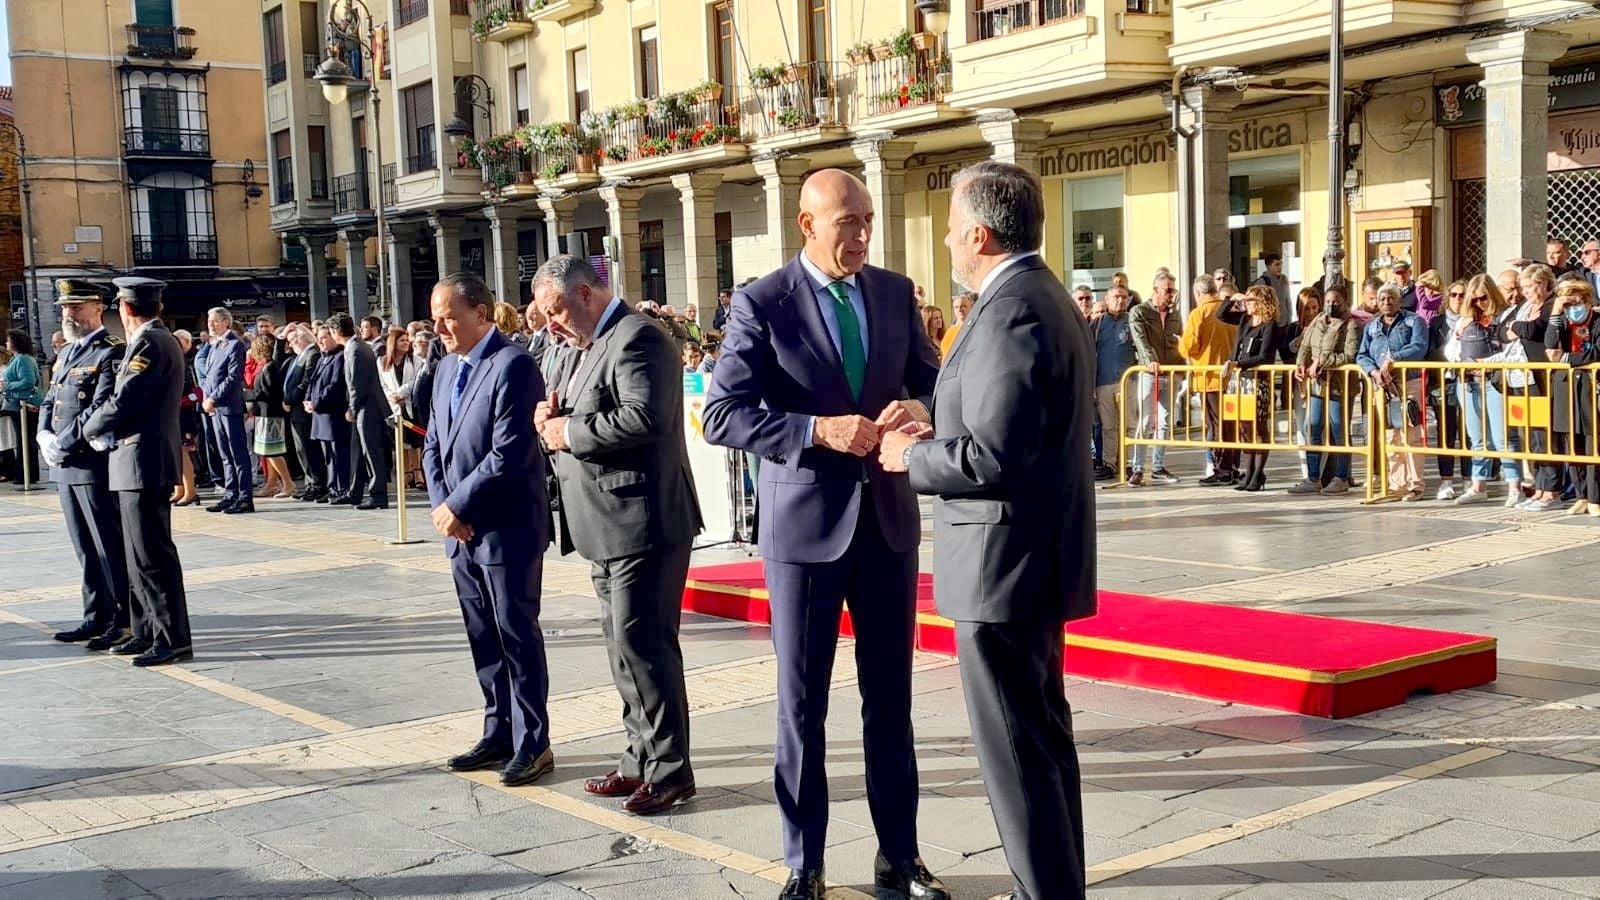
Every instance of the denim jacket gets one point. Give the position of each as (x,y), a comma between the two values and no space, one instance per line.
(1404,341)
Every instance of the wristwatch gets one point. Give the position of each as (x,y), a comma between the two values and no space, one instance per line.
(905,458)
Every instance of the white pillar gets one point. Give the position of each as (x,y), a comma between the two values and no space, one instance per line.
(559,212)
(504,266)
(1203,240)
(698,191)
(447,243)
(884,164)
(622,209)
(783,176)
(1014,140)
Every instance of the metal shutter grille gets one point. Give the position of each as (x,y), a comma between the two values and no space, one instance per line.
(1574,198)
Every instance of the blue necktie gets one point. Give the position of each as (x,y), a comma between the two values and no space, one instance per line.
(463,372)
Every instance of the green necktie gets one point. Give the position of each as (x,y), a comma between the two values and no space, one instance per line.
(855,359)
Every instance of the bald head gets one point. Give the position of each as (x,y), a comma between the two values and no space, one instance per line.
(836,221)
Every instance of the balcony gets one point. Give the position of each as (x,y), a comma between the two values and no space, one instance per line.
(1213,32)
(172,142)
(408,11)
(421,161)
(1053,50)
(902,90)
(174,251)
(160,42)
(390,195)
(672,132)
(352,194)
(557,10)
(501,20)
(806,103)
(309,63)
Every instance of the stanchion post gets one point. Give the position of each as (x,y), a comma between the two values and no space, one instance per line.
(25,439)
(400,479)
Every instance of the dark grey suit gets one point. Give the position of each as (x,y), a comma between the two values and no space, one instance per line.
(297,379)
(628,506)
(1014,533)
(369,438)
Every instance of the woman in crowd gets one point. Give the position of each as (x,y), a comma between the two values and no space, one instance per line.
(1482,403)
(710,349)
(265,396)
(508,319)
(1571,338)
(1430,295)
(692,357)
(1528,327)
(1257,345)
(184,494)
(397,372)
(21,377)
(933,323)
(1329,343)
(1443,396)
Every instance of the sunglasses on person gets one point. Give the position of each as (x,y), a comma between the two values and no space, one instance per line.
(1458,293)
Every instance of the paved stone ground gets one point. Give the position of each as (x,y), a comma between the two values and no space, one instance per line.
(300,754)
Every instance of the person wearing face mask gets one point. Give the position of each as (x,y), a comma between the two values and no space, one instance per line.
(1527,326)
(1331,340)
(1572,337)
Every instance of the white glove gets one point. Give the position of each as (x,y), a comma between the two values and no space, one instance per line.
(103,443)
(48,451)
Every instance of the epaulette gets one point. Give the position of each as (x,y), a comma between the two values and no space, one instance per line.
(113,341)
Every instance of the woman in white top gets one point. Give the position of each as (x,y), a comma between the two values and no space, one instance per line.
(397,371)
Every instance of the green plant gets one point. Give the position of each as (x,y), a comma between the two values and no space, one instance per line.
(655,146)
(710,135)
(789,117)
(673,107)
(859,52)
(766,76)
(553,169)
(902,44)
(616,152)
(921,91)
(547,137)
(705,90)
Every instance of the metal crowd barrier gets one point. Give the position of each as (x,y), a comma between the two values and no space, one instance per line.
(400,426)
(1248,409)
(25,445)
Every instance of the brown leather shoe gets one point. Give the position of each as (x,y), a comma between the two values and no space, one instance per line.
(651,799)
(614,785)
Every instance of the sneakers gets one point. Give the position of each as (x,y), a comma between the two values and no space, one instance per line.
(1307,486)
(1540,505)
(1594,510)
(1219,479)
(1336,487)
(1136,479)
(1514,496)
(1472,495)
(1447,491)
(1104,473)
(1578,508)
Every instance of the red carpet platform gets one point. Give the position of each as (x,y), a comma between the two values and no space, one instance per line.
(1312,665)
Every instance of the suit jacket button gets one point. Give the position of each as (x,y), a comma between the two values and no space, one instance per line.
(82,395)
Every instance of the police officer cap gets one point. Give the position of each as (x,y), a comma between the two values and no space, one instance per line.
(134,287)
(71,291)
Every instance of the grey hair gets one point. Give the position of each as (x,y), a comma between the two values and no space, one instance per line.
(468,287)
(221,313)
(1083,287)
(1389,290)
(1205,284)
(181,334)
(1163,274)
(565,273)
(1004,198)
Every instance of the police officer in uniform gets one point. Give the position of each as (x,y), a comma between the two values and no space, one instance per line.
(85,373)
(140,423)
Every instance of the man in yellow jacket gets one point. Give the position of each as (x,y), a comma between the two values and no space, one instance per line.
(1208,341)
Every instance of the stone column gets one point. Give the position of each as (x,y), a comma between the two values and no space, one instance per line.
(503,266)
(884,162)
(1203,240)
(354,243)
(1014,140)
(783,176)
(560,211)
(316,273)
(622,208)
(447,242)
(698,190)
(397,242)
(1516,86)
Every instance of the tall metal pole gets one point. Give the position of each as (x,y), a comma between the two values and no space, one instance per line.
(1333,259)
(377,126)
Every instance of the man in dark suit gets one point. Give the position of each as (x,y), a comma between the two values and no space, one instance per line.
(486,486)
(369,408)
(1014,524)
(539,342)
(297,380)
(139,424)
(817,358)
(224,403)
(628,505)
(85,373)
(327,401)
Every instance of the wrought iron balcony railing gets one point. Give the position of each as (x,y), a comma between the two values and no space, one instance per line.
(390,196)
(352,193)
(176,250)
(166,142)
(160,42)
(804,95)
(998,21)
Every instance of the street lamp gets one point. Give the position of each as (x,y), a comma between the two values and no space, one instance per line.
(935,15)
(1333,259)
(345,27)
(29,262)
(472,93)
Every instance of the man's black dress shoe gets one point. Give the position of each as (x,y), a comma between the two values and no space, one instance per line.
(909,880)
(133,647)
(804,884)
(81,633)
(243,506)
(325,498)
(222,506)
(161,655)
(343,500)
(110,638)
(373,504)
(483,755)
(526,769)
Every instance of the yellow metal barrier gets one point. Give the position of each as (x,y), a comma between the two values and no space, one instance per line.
(400,426)
(1242,409)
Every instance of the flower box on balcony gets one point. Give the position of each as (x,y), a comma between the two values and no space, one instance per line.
(557,10)
(509,30)
(696,158)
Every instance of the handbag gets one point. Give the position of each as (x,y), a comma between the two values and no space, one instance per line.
(1516,379)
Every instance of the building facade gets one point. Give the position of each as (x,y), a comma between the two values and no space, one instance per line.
(667,139)
(12,257)
(144,130)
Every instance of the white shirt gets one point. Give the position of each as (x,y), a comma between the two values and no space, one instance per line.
(1005,264)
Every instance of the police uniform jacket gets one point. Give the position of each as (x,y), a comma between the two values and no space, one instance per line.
(142,412)
(83,380)
(329,401)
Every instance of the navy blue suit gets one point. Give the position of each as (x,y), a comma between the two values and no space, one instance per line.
(833,528)
(484,463)
(224,386)
(329,402)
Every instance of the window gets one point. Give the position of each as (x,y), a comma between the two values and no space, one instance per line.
(416,104)
(158,109)
(520,94)
(155,19)
(172,221)
(1094,230)
(816,34)
(164,112)
(310,38)
(722,38)
(272,28)
(283,167)
(408,11)
(580,83)
(649,63)
(316,139)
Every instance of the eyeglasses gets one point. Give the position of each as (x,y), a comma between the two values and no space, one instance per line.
(1458,293)
(1483,298)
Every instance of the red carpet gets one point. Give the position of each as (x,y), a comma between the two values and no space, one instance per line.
(1305,664)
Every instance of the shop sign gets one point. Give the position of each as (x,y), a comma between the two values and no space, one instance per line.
(1570,88)
(1572,142)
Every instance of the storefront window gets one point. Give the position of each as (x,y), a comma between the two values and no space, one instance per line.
(1094,230)
(1264,216)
